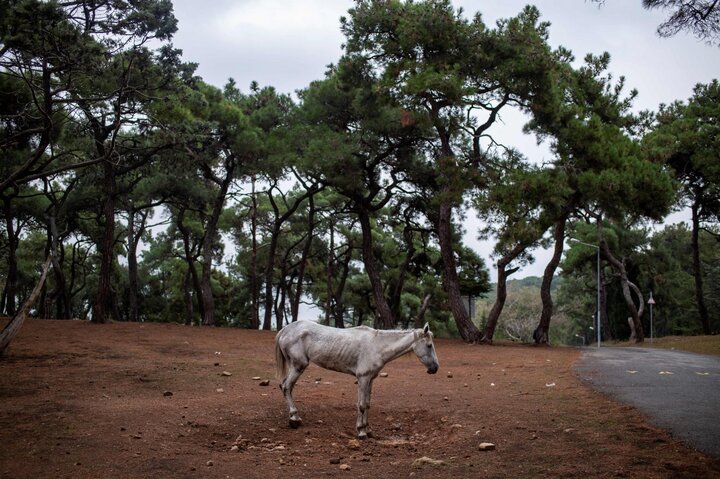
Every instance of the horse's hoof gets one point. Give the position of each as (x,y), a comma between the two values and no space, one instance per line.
(295,423)
(362,437)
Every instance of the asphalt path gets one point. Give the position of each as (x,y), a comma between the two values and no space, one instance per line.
(678,391)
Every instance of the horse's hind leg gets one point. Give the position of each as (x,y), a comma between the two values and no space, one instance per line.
(363,406)
(294,372)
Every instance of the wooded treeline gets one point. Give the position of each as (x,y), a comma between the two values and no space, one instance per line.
(160,197)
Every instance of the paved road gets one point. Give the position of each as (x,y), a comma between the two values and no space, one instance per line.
(679,391)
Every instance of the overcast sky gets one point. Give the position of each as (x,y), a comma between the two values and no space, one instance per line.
(289,43)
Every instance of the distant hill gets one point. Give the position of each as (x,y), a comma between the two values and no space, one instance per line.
(532,282)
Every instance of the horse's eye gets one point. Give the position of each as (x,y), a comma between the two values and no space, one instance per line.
(429,346)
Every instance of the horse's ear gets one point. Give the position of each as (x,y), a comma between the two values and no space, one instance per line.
(426,329)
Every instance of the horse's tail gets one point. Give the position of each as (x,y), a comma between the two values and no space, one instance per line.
(280,363)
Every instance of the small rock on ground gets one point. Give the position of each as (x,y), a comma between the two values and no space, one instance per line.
(427,461)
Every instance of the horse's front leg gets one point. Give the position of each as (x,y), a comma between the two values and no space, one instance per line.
(363,406)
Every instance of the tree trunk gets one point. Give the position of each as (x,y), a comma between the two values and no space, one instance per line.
(60,294)
(383,315)
(270,266)
(190,259)
(254,293)
(420,318)
(76,276)
(133,281)
(501,292)
(542,332)
(274,239)
(396,299)
(269,273)
(14,326)
(295,300)
(133,239)
(631,323)
(624,283)
(499,304)
(206,294)
(10,290)
(330,274)
(467,329)
(339,304)
(187,293)
(697,269)
(101,308)
(279,305)
(641,299)
(284,289)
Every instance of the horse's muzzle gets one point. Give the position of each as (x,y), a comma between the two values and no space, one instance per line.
(432,369)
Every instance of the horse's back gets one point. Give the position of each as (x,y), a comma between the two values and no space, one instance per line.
(331,348)
(299,329)
(303,329)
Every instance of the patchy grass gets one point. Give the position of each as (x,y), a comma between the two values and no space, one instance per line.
(694,344)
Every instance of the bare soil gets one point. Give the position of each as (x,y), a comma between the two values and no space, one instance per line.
(79,400)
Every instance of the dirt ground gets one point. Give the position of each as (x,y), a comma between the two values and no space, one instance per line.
(80,400)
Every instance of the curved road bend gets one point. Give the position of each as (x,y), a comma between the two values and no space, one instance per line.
(679,391)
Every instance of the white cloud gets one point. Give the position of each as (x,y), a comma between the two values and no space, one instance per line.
(286,17)
(283,43)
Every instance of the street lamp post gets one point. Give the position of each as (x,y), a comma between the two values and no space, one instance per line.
(597,312)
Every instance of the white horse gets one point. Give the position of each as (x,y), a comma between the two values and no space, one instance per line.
(360,351)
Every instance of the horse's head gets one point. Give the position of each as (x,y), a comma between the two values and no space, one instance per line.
(425,350)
